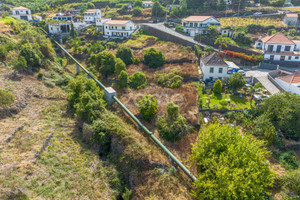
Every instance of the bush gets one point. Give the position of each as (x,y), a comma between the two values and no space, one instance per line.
(180,29)
(217,88)
(6,98)
(40,76)
(264,129)
(107,61)
(173,125)
(230,165)
(20,63)
(102,136)
(223,103)
(199,96)
(120,66)
(138,80)
(236,81)
(169,80)
(288,160)
(125,54)
(136,61)
(136,12)
(123,80)
(242,37)
(291,182)
(32,54)
(154,58)
(148,107)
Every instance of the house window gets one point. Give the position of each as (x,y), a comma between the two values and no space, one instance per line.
(211,70)
(17,12)
(297,57)
(51,29)
(220,70)
(123,28)
(278,48)
(287,48)
(270,48)
(191,24)
(290,57)
(282,58)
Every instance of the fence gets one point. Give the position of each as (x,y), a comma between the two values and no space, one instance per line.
(149,133)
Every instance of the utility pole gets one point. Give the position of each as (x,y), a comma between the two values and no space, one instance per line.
(239,8)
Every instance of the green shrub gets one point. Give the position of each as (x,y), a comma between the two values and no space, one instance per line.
(123,80)
(138,80)
(288,160)
(6,98)
(136,12)
(40,75)
(200,96)
(290,183)
(180,29)
(136,61)
(148,107)
(102,136)
(174,124)
(217,88)
(223,103)
(154,58)
(125,54)
(120,66)
(264,129)
(169,80)
(20,63)
(127,194)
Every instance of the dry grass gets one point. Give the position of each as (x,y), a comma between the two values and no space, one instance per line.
(238,22)
(4,27)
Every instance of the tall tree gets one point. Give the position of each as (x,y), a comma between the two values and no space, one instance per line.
(158,10)
(222,41)
(73,33)
(236,81)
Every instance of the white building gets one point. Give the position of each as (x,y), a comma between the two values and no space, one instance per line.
(290,19)
(214,67)
(21,13)
(91,15)
(279,47)
(290,83)
(147,4)
(198,24)
(59,27)
(100,24)
(118,28)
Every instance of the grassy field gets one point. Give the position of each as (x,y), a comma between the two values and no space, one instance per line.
(239,22)
(236,102)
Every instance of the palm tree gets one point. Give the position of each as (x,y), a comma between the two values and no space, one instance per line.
(222,41)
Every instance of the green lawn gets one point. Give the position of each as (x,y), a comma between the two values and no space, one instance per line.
(236,102)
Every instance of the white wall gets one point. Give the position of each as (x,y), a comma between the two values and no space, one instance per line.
(79,24)
(295,58)
(288,87)
(291,20)
(200,26)
(56,28)
(19,14)
(148,5)
(265,47)
(91,17)
(215,75)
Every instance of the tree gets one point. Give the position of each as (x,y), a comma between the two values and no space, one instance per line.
(158,10)
(175,12)
(138,3)
(73,33)
(173,125)
(136,12)
(90,5)
(212,31)
(292,32)
(6,98)
(154,58)
(236,81)
(148,107)
(3,52)
(138,80)
(107,62)
(120,66)
(283,110)
(198,52)
(271,31)
(242,38)
(222,41)
(264,129)
(230,165)
(123,80)
(209,49)
(217,87)
(125,53)
(32,54)
(20,63)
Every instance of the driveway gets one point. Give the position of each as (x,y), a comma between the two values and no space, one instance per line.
(262,76)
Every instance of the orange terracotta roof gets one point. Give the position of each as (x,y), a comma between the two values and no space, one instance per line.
(196,18)
(20,8)
(91,10)
(277,38)
(117,22)
(293,78)
(292,15)
(147,2)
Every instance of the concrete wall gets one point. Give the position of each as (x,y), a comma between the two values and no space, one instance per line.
(288,87)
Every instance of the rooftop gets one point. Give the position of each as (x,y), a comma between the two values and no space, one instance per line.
(292,78)
(277,38)
(20,8)
(91,10)
(197,18)
(117,22)
(214,60)
(292,15)
(147,2)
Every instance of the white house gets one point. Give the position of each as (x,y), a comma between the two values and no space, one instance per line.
(199,24)
(59,27)
(100,24)
(147,4)
(214,67)
(91,15)
(279,47)
(118,28)
(21,13)
(290,19)
(290,83)
(63,17)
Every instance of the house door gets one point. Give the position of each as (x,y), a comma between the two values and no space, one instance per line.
(282,58)
(278,49)
(271,57)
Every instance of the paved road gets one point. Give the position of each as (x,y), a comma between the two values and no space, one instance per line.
(162,27)
(262,76)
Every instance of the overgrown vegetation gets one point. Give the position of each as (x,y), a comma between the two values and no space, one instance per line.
(6,98)
(169,80)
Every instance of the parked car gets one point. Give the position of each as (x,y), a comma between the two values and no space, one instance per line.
(247,14)
(257,13)
(242,72)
